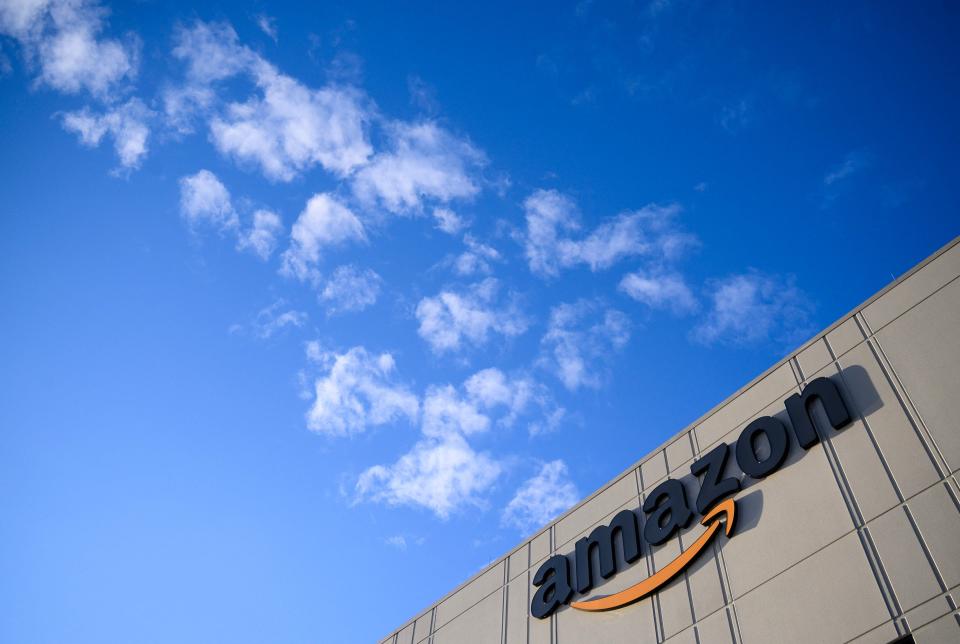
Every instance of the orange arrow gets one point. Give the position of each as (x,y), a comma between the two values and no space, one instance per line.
(672,569)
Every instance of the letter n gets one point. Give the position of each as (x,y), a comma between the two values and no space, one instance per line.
(798,408)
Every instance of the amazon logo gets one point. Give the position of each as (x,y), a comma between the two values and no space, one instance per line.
(759,451)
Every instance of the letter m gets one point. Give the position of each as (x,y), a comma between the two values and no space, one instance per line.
(625,523)
(799,409)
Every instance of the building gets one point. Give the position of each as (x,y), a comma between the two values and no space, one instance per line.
(849,533)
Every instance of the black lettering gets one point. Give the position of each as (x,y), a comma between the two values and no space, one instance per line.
(712,487)
(798,408)
(776,435)
(602,538)
(668,510)
(553,579)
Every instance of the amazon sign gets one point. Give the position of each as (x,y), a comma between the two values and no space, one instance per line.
(759,451)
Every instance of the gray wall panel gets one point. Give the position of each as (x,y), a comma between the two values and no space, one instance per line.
(518,602)
(875,398)
(830,596)
(421,628)
(944,630)
(635,625)
(937,518)
(716,628)
(923,347)
(856,450)
(480,624)
(903,559)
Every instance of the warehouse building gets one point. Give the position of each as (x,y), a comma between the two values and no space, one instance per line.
(819,503)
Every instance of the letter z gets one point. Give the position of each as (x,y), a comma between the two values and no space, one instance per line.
(713,488)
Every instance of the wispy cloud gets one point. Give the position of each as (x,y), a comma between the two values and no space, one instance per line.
(448,221)
(452,319)
(736,116)
(356,390)
(422,95)
(127,124)
(63,44)
(272,320)
(515,395)
(854,162)
(837,179)
(660,290)
(541,498)
(579,342)
(398,541)
(284,128)
(440,474)
(268,25)
(351,289)
(206,203)
(324,223)
(552,219)
(478,257)
(424,162)
(63,38)
(753,308)
(261,237)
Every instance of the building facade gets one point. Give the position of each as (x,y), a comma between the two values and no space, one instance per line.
(849,534)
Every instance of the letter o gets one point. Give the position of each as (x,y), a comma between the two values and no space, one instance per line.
(747,457)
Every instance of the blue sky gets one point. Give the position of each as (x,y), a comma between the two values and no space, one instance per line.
(306,306)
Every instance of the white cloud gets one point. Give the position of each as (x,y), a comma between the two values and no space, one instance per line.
(541,498)
(552,218)
(450,319)
(398,541)
(660,290)
(324,222)
(205,200)
(211,52)
(549,214)
(577,343)
(425,162)
(273,319)
(351,289)
(261,237)
(357,390)
(422,95)
(285,128)
(446,413)
(268,25)
(62,38)
(614,240)
(181,104)
(735,116)
(852,163)
(290,127)
(492,389)
(127,125)
(448,221)
(476,259)
(441,474)
(753,308)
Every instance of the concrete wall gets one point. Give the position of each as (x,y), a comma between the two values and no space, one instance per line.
(855,540)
